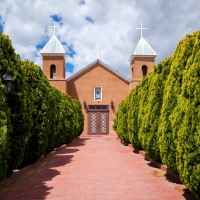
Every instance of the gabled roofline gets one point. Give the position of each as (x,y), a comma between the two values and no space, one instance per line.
(104,65)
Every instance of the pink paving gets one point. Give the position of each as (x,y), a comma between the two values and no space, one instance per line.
(96,168)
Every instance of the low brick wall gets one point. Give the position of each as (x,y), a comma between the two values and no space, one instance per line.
(28,170)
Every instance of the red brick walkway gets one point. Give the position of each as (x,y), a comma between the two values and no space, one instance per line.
(96,168)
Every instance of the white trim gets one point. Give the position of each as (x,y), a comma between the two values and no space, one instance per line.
(54,54)
(94,93)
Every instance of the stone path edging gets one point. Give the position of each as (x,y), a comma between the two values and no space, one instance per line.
(28,170)
(159,165)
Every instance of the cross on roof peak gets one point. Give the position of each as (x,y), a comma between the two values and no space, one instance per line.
(54,27)
(141,28)
(97,50)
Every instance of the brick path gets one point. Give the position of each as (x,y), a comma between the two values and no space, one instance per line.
(95,168)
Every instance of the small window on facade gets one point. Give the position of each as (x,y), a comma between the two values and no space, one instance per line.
(98,93)
(92,107)
(53,71)
(144,70)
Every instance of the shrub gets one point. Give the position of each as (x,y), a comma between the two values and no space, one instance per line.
(133,125)
(185,119)
(149,128)
(121,127)
(167,140)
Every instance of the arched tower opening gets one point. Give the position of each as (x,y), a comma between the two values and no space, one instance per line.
(52,71)
(144,70)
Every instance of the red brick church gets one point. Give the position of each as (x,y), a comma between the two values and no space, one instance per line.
(98,87)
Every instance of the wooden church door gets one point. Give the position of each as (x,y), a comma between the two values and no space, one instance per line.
(98,122)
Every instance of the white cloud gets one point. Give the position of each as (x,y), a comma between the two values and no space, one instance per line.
(114,28)
(68,74)
(27,52)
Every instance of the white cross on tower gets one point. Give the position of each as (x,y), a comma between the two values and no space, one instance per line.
(141,28)
(97,50)
(54,27)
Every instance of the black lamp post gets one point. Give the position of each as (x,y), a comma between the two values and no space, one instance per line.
(8,84)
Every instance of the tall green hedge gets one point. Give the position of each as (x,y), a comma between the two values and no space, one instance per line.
(164,113)
(151,120)
(186,119)
(143,104)
(122,114)
(37,119)
(8,61)
(133,125)
(5,130)
(167,138)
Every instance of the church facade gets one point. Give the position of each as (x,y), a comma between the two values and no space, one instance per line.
(98,87)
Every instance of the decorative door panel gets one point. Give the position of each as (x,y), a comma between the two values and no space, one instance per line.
(93,123)
(98,123)
(103,122)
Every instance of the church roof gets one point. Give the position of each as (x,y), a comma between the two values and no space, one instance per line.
(102,64)
(53,47)
(143,49)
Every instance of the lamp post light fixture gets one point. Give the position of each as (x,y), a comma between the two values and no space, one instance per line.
(112,104)
(84,104)
(8,84)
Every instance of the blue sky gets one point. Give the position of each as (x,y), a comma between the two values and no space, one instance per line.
(1,24)
(84,24)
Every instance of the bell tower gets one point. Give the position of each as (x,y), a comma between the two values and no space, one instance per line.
(141,61)
(53,57)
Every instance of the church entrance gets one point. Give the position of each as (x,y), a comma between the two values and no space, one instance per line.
(98,120)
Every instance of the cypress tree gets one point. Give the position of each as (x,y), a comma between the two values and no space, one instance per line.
(5,129)
(143,103)
(185,120)
(152,110)
(167,140)
(133,125)
(122,126)
(39,89)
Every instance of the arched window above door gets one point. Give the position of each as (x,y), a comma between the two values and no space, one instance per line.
(52,71)
(144,70)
